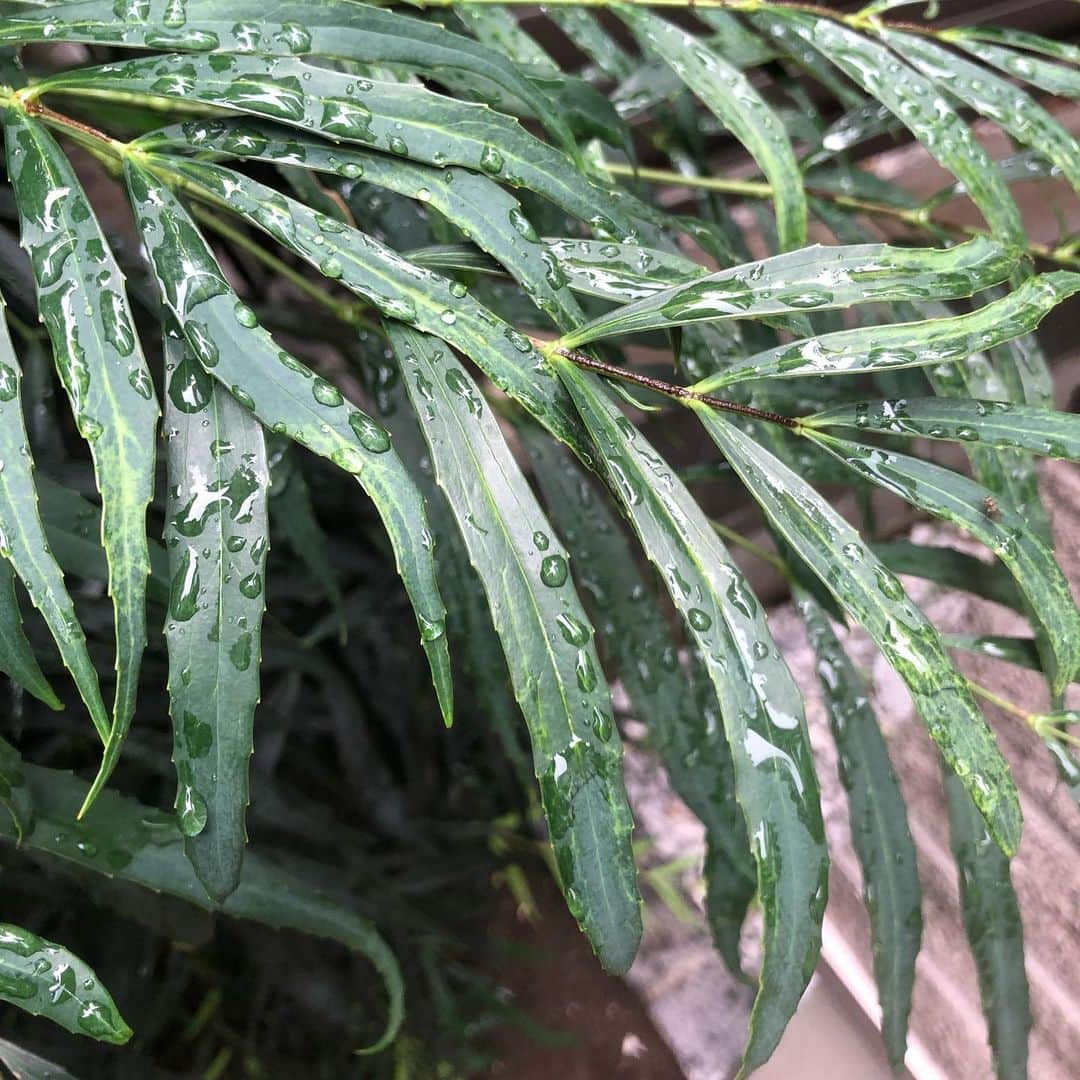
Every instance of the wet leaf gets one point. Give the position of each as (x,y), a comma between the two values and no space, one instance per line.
(17,660)
(225,338)
(1021,651)
(14,793)
(816,278)
(876,600)
(994,931)
(761,707)
(995,46)
(217,535)
(879,828)
(99,359)
(547,640)
(45,979)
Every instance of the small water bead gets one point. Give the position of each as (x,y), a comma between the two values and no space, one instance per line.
(245,316)
(760,650)
(541,540)
(601,724)
(554,571)
(458,289)
(191,811)
(242,397)
(9,383)
(372,436)
(523,226)
(448,317)
(331,267)
(491,161)
(574,632)
(398,146)
(326,393)
(698,619)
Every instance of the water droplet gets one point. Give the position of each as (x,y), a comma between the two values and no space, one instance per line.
(331,267)
(245,316)
(326,393)
(699,619)
(541,540)
(554,571)
(491,161)
(574,632)
(372,436)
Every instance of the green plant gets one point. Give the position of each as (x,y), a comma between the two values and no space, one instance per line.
(296,176)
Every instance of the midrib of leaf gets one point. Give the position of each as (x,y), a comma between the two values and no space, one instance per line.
(123,451)
(614,929)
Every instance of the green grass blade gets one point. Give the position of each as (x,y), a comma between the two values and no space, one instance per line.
(953,497)
(124,839)
(225,337)
(995,98)
(994,931)
(731,97)
(918,104)
(874,598)
(636,638)
(998,424)
(860,273)
(27,1066)
(17,660)
(45,979)
(14,794)
(97,353)
(399,290)
(217,534)
(762,710)
(404,119)
(879,828)
(927,343)
(547,640)
(339,29)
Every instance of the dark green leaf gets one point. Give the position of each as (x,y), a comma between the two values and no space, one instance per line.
(547,640)
(1021,651)
(217,535)
(45,979)
(875,599)
(225,337)
(1053,78)
(14,794)
(17,660)
(995,933)
(761,707)
(26,1066)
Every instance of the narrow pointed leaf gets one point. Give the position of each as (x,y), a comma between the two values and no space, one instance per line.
(45,979)
(474,202)
(217,535)
(547,641)
(341,29)
(24,545)
(876,600)
(879,828)
(14,793)
(399,290)
(404,119)
(929,342)
(121,838)
(17,660)
(995,98)
(224,336)
(24,1065)
(761,707)
(1021,651)
(816,278)
(97,353)
(586,32)
(994,931)
(685,725)
(730,96)
(1046,75)
(918,104)
(953,497)
(998,424)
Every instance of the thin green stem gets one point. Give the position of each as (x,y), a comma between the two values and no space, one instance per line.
(988,695)
(747,544)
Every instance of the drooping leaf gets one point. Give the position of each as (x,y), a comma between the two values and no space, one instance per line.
(17,660)
(27,1066)
(45,979)
(341,29)
(587,34)
(217,534)
(1021,651)
(730,95)
(998,424)
(914,100)
(994,931)
(879,828)
(761,707)
(635,636)
(547,640)
(225,338)
(876,600)
(995,98)
(964,502)
(926,343)
(14,793)
(124,839)
(815,278)
(97,353)
(404,119)
(399,290)
(1053,78)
